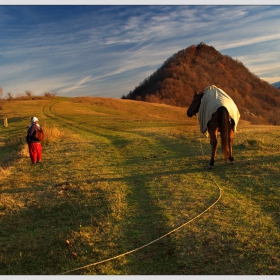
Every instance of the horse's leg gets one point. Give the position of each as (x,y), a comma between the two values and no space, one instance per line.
(231,158)
(231,135)
(213,133)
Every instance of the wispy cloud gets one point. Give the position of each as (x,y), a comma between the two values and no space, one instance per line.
(108,50)
(76,86)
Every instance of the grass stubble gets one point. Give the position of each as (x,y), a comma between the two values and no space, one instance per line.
(117,174)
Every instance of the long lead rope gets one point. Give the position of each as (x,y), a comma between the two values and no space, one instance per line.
(163,236)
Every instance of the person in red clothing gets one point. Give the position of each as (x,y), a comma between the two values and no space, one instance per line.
(34,145)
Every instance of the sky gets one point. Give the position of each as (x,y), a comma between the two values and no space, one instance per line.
(108,50)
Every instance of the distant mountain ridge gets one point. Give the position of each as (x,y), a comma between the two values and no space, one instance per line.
(199,66)
(277,85)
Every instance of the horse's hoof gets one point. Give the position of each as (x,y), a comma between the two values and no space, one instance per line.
(232,162)
(210,167)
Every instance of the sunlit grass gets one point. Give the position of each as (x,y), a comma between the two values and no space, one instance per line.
(117,174)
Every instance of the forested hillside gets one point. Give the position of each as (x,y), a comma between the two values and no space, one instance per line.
(197,67)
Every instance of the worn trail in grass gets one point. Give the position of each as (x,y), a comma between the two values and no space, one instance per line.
(121,174)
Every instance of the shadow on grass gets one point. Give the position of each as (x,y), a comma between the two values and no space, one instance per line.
(253,198)
(45,236)
(37,232)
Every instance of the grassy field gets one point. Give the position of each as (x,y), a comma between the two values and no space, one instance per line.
(119,174)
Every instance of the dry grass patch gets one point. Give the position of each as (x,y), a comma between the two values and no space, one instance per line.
(4,172)
(117,174)
(52,133)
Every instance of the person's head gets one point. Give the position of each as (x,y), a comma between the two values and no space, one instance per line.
(34,120)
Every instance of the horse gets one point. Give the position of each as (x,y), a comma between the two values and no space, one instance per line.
(219,122)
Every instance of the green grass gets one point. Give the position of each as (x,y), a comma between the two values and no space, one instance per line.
(118,174)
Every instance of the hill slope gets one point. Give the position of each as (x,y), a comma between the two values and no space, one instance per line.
(197,67)
(119,174)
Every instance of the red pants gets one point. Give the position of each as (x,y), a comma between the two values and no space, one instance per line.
(35,152)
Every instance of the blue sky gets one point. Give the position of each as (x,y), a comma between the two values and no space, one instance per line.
(94,50)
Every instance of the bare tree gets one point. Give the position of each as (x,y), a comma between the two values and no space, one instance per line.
(1,92)
(50,94)
(29,93)
(10,95)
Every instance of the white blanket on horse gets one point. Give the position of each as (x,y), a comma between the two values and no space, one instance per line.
(213,99)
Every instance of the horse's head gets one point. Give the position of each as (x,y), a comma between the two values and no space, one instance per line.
(194,107)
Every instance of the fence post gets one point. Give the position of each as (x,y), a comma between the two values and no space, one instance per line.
(5,122)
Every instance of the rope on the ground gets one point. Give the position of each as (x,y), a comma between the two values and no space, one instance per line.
(156,240)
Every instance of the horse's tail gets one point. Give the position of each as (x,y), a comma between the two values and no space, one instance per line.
(224,124)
